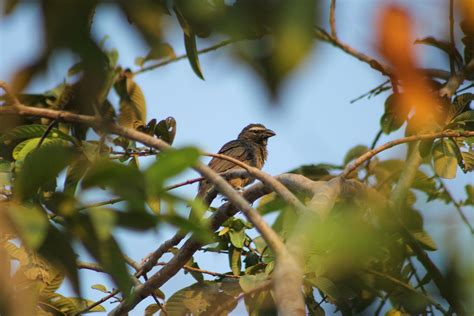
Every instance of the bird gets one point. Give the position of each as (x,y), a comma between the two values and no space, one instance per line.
(250,147)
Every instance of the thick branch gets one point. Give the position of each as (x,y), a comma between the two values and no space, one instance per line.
(456,80)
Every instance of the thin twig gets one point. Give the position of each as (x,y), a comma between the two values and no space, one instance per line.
(180,57)
(368,155)
(372,146)
(372,91)
(194,269)
(407,287)
(457,206)
(451,35)
(46,132)
(332,18)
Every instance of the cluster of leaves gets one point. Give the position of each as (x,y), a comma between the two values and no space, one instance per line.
(37,282)
(49,217)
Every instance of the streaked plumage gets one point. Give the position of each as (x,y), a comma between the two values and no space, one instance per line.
(249,147)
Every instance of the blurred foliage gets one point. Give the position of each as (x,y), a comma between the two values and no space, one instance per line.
(355,261)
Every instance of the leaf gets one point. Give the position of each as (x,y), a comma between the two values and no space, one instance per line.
(152,309)
(24,148)
(53,283)
(16,253)
(40,167)
(82,303)
(235,261)
(75,172)
(192,53)
(467,160)
(34,131)
(31,224)
(396,113)
(248,283)
(125,181)
(445,158)
(57,249)
(132,101)
(166,130)
(100,287)
(444,46)
(169,163)
(104,221)
(425,240)
(355,152)
(425,147)
(237,238)
(106,252)
(470,194)
(465,117)
(157,52)
(327,287)
(459,104)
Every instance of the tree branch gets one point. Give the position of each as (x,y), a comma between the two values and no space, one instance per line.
(368,155)
(332,18)
(184,56)
(456,80)
(294,298)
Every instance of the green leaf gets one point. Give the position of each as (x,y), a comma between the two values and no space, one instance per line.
(133,107)
(107,253)
(40,167)
(355,152)
(470,194)
(166,130)
(104,221)
(82,303)
(445,158)
(192,53)
(157,52)
(237,237)
(125,181)
(169,163)
(100,287)
(395,114)
(425,240)
(235,261)
(34,131)
(250,282)
(31,224)
(24,148)
(75,172)
(57,249)
(327,287)
(425,147)
(444,46)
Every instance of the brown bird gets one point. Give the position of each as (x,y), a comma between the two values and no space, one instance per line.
(250,147)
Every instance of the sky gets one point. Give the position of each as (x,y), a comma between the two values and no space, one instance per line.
(314,120)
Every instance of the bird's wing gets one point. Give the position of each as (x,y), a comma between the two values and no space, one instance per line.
(236,149)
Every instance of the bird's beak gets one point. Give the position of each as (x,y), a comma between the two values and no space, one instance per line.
(269,133)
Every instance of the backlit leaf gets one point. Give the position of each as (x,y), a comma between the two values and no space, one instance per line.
(445,158)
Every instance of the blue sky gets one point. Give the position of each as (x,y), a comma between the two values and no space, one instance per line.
(314,121)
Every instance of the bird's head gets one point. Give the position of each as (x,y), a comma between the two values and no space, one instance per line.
(257,133)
